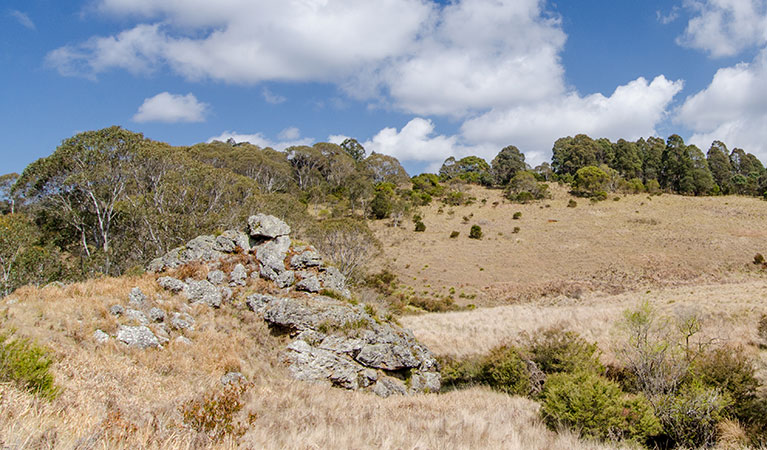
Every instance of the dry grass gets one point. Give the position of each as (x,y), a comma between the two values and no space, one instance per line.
(115,397)
(610,247)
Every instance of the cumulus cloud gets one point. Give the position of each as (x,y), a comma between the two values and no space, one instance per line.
(22,18)
(171,108)
(732,109)
(262,141)
(632,111)
(725,27)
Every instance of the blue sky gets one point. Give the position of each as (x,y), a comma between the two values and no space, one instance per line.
(417,79)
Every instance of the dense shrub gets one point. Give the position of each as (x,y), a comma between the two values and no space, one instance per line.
(689,417)
(554,350)
(420,226)
(475,232)
(524,188)
(572,203)
(504,369)
(25,363)
(597,408)
(454,234)
(517,215)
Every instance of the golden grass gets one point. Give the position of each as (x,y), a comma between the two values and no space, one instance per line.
(115,397)
(610,247)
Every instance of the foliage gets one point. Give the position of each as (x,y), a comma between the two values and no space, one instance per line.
(589,181)
(554,351)
(690,416)
(420,226)
(475,232)
(597,408)
(572,203)
(428,183)
(506,164)
(385,169)
(27,364)
(215,413)
(347,243)
(454,234)
(7,200)
(23,257)
(517,215)
(523,188)
(471,169)
(353,149)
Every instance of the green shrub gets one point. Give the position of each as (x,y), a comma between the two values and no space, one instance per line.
(759,259)
(690,417)
(517,215)
(504,369)
(454,234)
(475,232)
(515,230)
(420,226)
(597,408)
(555,351)
(731,371)
(384,282)
(572,203)
(27,364)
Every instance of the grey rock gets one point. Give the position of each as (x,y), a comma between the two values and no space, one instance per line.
(216,277)
(172,284)
(387,356)
(201,248)
(156,315)
(232,378)
(203,292)
(137,316)
(136,298)
(342,344)
(140,337)
(239,275)
(229,240)
(116,310)
(425,382)
(307,258)
(182,321)
(285,279)
(100,337)
(181,340)
(271,254)
(313,338)
(264,226)
(258,302)
(162,334)
(312,364)
(369,376)
(309,283)
(386,386)
(299,315)
(334,280)
(226,293)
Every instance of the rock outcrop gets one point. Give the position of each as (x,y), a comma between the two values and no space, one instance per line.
(333,341)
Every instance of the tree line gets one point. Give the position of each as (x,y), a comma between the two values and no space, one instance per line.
(108,201)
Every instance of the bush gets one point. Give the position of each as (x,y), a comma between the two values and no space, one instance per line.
(475,232)
(347,243)
(515,230)
(454,234)
(517,215)
(25,363)
(420,226)
(556,351)
(759,259)
(690,417)
(505,370)
(572,203)
(214,413)
(597,408)
(733,372)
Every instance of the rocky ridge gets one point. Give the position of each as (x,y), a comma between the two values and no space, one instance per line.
(333,340)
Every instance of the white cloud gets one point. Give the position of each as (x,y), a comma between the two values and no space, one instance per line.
(732,109)
(666,19)
(271,97)
(290,133)
(171,108)
(725,27)
(261,140)
(22,18)
(632,111)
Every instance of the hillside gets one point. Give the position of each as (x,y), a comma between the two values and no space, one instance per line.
(632,243)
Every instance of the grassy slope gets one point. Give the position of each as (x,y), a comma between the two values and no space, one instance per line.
(593,262)
(612,246)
